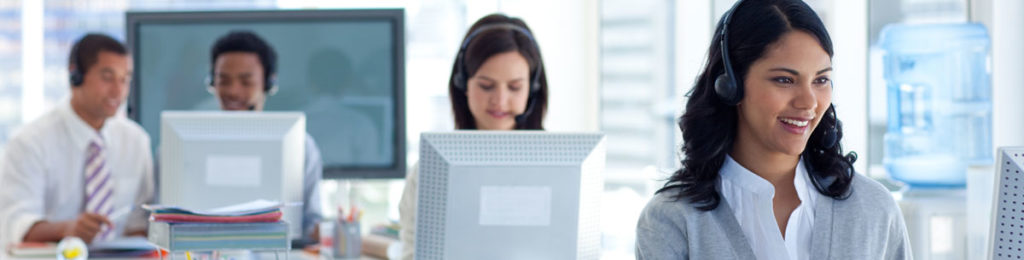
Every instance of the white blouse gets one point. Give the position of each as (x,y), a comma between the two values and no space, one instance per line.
(750,198)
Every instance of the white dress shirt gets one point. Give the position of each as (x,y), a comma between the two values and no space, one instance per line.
(42,171)
(407,212)
(750,198)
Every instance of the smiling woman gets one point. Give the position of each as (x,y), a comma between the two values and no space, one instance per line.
(764,176)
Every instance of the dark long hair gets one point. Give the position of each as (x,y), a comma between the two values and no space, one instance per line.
(709,125)
(489,43)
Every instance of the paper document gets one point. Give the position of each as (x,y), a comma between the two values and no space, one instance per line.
(248,208)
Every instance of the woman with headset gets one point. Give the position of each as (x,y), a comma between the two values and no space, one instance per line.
(497,83)
(763,174)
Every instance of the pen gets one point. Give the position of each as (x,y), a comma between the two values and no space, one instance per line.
(119,213)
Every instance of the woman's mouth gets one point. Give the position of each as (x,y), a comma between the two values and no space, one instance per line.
(795,125)
(497,114)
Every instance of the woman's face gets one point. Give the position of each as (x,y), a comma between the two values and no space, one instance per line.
(497,93)
(787,93)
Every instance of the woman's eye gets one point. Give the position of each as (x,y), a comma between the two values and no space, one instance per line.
(821,81)
(783,80)
(486,87)
(514,87)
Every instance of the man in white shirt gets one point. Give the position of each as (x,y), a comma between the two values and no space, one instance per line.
(79,170)
(243,69)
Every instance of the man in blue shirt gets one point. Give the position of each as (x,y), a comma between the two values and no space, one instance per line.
(243,70)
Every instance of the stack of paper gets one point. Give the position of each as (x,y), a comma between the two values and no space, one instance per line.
(255,225)
(220,236)
(254,211)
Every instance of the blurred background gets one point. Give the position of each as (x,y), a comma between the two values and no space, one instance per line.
(623,67)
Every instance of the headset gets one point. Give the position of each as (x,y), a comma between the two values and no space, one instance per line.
(730,92)
(269,81)
(269,84)
(75,76)
(461,75)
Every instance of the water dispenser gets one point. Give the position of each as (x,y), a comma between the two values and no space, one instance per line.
(939,102)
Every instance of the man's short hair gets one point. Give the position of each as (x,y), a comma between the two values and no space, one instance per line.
(246,41)
(86,51)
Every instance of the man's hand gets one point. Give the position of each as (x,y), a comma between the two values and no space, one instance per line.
(87,226)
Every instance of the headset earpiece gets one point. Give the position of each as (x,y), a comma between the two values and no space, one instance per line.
(831,135)
(75,77)
(727,86)
(727,90)
(459,79)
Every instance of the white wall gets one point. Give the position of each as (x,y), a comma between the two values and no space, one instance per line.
(848,27)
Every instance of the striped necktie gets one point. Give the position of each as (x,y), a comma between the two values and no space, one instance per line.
(99,187)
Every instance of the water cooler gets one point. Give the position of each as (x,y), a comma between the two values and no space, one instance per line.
(939,126)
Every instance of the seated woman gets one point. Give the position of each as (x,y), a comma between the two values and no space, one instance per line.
(763,174)
(497,83)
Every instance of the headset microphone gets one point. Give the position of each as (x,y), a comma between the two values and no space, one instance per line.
(521,118)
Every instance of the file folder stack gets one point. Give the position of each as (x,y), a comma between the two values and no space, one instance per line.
(220,236)
(255,225)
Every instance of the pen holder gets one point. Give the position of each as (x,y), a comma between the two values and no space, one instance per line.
(349,240)
(340,240)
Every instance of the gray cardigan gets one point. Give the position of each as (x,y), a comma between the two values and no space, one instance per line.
(867,225)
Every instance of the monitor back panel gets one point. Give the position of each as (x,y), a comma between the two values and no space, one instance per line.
(1007,239)
(213,159)
(509,195)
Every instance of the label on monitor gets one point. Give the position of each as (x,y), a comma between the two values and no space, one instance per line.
(515,206)
(233,170)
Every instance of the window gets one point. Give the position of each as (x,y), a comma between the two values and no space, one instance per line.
(638,111)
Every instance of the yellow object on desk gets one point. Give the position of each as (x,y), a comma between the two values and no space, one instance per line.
(72,248)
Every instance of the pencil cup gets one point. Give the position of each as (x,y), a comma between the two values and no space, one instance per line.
(349,240)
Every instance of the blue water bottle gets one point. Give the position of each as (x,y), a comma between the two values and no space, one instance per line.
(939,102)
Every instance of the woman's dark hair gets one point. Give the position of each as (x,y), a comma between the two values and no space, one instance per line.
(483,46)
(709,125)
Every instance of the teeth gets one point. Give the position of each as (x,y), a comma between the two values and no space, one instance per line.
(795,122)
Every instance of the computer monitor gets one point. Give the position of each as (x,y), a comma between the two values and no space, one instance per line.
(344,68)
(509,195)
(211,159)
(1006,239)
